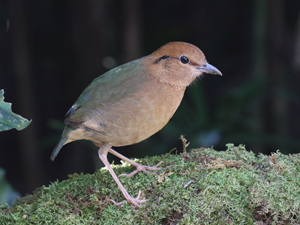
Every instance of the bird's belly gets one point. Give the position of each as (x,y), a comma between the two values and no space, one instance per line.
(132,120)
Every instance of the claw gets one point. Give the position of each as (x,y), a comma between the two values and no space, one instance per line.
(140,167)
(130,199)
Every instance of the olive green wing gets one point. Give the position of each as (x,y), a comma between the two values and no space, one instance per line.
(111,87)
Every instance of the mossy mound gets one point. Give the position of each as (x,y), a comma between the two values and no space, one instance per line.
(202,186)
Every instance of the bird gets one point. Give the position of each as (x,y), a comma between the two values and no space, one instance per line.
(133,101)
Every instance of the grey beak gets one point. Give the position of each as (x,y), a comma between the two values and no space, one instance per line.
(207,68)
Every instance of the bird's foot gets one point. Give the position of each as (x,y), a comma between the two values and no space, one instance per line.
(140,167)
(134,201)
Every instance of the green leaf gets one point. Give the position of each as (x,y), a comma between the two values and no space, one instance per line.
(7,193)
(8,119)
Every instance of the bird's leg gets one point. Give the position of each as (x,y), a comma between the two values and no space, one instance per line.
(139,167)
(103,157)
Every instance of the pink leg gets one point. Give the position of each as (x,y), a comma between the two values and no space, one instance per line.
(103,157)
(139,167)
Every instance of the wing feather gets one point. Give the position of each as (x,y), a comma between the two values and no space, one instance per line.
(109,88)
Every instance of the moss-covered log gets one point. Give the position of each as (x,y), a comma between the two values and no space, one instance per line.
(202,186)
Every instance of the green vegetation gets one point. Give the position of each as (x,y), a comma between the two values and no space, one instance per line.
(8,119)
(202,186)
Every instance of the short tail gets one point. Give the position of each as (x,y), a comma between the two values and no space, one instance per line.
(58,147)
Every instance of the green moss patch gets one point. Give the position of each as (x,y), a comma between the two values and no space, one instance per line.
(202,186)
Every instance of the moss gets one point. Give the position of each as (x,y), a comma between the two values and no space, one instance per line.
(202,186)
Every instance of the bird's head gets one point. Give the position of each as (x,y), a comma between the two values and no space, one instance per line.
(179,63)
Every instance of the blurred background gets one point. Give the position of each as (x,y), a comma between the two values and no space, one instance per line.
(51,50)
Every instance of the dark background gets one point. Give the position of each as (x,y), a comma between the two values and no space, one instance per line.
(51,50)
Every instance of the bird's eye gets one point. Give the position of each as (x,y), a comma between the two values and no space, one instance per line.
(184,59)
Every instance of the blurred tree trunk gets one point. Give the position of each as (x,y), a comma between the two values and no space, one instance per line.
(21,62)
(296,59)
(259,62)
(277,73)
(132,30)
(294,83)
(269,66)
(93,36)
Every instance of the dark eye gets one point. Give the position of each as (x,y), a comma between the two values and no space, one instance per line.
(184,59)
